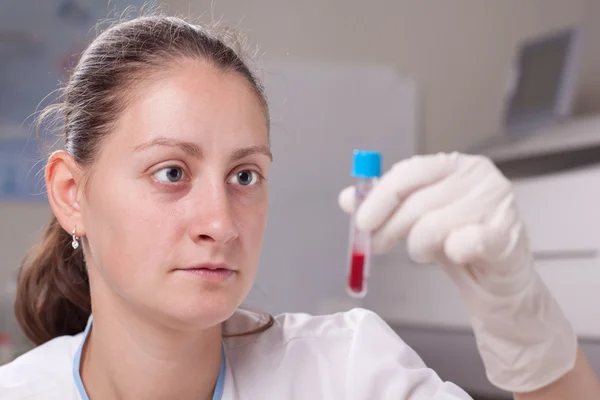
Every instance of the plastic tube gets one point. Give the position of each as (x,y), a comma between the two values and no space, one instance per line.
(366,169)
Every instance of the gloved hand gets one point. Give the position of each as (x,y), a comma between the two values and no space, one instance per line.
(458,210)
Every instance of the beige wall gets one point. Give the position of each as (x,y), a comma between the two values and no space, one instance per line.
(460,51)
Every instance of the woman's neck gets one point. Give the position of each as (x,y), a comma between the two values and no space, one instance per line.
(128,357)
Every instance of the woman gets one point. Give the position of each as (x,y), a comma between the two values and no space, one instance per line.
(160,201)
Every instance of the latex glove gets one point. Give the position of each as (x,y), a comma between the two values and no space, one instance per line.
(458,210)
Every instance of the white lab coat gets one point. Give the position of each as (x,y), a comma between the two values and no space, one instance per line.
(353,355)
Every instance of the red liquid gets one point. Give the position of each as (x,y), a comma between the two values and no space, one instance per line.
(357,270)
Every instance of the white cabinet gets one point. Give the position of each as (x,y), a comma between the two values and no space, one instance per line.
(562,215)
(574,283)
(562,212)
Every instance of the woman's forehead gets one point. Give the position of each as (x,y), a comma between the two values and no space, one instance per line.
(195,104)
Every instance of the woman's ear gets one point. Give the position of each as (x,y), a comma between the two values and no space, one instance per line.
(63,184)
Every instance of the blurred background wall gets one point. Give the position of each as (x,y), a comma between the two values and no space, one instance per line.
(460,51)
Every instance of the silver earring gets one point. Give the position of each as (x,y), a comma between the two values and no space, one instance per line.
(75,242)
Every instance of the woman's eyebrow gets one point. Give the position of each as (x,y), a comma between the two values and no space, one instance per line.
(190,148)
(195,151)
(246,151)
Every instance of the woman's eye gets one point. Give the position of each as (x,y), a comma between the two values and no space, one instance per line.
(169,175)
(245,178)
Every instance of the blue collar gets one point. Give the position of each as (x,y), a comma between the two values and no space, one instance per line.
(217,395)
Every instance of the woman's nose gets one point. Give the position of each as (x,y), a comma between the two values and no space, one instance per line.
(213,220)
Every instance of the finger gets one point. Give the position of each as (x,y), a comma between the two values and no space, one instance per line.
(428,234)
(465,245)
(346,199)
(481,253)
(402,180)
(416,205)
(502,230)
(487,241)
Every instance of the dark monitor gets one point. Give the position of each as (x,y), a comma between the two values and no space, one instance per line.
(545,81)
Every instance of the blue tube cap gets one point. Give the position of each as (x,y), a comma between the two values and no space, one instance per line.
(366,164)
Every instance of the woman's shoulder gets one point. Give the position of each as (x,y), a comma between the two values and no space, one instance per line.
(339,354)
(301,326)
(41,372)
(337,337)
(347,325)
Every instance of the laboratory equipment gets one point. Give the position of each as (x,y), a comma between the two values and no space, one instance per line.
(366,168)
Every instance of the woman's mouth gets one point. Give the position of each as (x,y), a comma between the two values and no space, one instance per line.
(210,272)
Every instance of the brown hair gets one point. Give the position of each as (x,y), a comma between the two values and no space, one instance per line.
(53,294)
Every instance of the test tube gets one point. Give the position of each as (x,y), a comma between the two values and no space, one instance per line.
(366,168)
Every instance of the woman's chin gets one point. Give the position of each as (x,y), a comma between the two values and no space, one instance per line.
(201,311)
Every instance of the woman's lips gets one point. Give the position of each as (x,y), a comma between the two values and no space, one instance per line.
(210,272)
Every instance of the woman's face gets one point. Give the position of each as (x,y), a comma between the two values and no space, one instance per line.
(176,205)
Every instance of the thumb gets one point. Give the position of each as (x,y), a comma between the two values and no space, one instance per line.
(346,199)
(488,242)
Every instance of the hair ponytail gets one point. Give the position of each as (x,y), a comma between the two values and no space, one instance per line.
(53,294)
